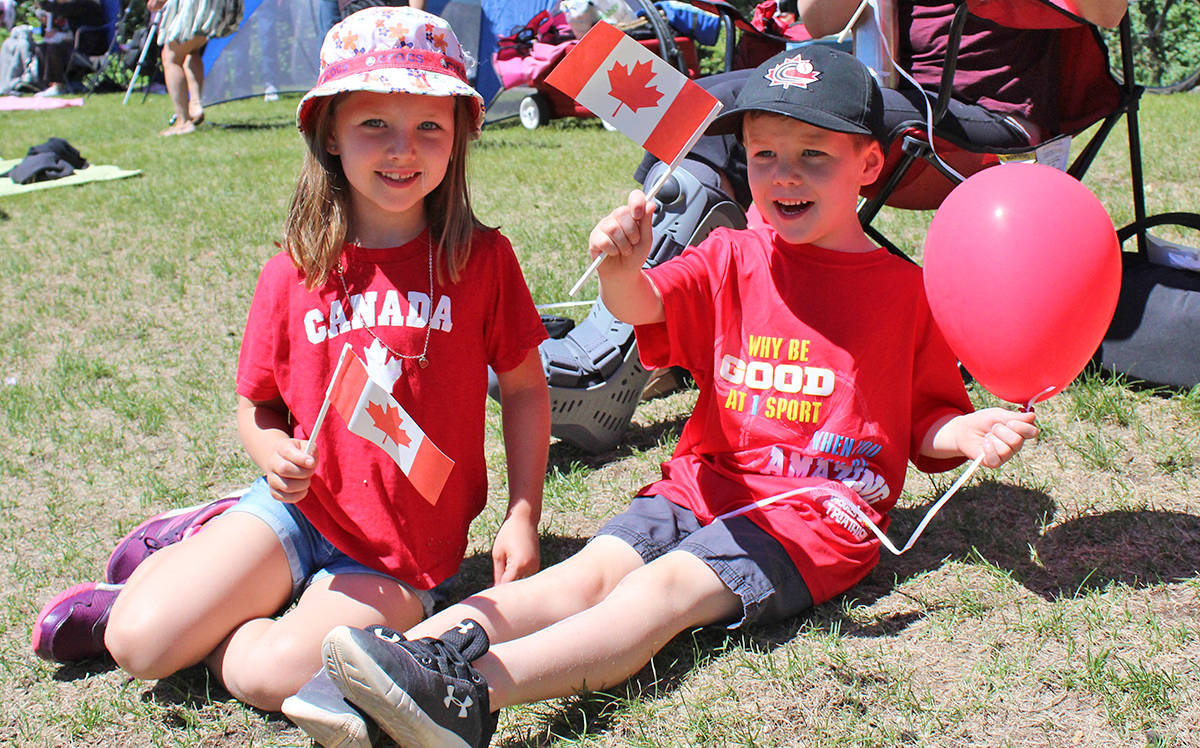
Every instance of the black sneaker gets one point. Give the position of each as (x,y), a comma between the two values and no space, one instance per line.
(325,716)
(422,693)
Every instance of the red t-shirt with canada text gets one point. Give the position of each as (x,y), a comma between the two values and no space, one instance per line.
(360,500)
(816,369)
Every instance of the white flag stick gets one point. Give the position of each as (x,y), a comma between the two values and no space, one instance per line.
(600,257)
(564,304)
(312,438)
(841,37)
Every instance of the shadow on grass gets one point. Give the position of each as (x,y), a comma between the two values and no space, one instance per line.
(1002,524)
(271,124)
(635,438)
(996,522)
(1137,549)
(193,688)
(475,572)
(80,670)
(190,691)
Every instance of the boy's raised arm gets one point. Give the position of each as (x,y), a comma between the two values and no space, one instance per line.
(825,17)
(624,236)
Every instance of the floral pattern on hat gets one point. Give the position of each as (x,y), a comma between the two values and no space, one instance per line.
(391,50)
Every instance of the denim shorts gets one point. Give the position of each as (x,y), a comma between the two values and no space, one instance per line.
(750,562)
(309,555)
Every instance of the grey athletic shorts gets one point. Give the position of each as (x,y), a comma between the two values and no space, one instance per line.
(750,562)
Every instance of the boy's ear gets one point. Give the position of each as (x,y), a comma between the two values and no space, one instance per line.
(873,159)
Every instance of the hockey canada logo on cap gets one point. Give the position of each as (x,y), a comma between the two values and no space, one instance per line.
(794,71)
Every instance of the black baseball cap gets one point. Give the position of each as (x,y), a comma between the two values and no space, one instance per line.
(816,84)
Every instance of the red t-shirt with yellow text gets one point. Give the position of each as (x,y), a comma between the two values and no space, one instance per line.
(815,368)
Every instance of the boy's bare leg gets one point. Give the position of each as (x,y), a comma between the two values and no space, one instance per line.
(517,608)
(606,643)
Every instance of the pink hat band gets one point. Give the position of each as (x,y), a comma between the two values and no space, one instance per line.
(401,59)
(386,49)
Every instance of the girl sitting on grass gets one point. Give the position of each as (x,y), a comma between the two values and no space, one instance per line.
(383,253)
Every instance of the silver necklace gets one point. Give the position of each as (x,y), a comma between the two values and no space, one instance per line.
(421,358)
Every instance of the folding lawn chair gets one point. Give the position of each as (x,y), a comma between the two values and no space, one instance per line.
(746,45)
(1157,322)
(915,178)
(82,63)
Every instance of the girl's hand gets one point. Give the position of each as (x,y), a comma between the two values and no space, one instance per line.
(515,553)
(996,433)
(290,471)
(624,235)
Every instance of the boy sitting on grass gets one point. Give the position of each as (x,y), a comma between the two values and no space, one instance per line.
(821,373)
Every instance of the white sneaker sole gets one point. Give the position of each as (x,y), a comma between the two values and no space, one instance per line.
(329,729)
(369,688)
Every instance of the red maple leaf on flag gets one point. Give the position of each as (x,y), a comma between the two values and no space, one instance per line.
(389,422)
(630,87)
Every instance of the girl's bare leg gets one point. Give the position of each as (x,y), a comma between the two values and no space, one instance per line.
(182,602)
(193,70)
(266,660)
(179,59)
(212,597)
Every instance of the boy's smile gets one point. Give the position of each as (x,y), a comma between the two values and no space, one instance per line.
(394,149)
(805,180)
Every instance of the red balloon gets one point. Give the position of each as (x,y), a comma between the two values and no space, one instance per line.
(1022,271)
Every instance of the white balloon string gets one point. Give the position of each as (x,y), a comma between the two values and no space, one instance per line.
(1036,398)
(858,514)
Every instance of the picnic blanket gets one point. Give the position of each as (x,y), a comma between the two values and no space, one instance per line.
(19,103)
(93,173)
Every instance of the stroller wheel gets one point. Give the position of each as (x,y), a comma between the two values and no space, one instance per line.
(534,111)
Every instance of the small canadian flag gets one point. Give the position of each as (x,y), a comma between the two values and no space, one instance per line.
(635,91)
(371,412)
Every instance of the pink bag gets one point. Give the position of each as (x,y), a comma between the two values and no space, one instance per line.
(523,70)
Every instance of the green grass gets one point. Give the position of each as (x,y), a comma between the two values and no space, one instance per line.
(1053,602)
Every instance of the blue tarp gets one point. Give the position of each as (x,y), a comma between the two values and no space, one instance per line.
(279,42)
(499,18)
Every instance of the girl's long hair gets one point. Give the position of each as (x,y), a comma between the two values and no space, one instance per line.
(319,217)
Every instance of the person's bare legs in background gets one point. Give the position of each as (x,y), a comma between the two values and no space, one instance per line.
(183,69)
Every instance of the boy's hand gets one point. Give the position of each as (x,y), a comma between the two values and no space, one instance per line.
(996,433)
(515,553)
(624,235)
(290,471)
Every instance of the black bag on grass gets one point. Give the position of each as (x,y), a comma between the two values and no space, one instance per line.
(1155,332)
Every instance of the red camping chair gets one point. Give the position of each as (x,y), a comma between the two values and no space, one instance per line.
(913,178)
(747,45)
(1159,306)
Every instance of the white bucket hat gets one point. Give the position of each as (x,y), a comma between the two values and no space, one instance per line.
(391,50)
